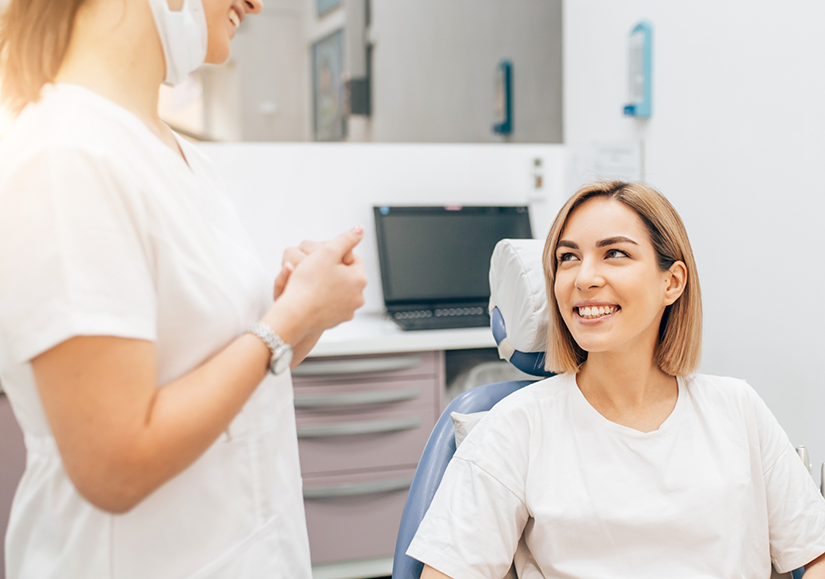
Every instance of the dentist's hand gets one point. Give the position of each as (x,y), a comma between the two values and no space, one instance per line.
(320,286)
(295,255)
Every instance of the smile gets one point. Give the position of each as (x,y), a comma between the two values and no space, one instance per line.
(234,18)
(594,312)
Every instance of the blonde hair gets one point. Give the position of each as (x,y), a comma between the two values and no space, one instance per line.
(34,36)
(680,333)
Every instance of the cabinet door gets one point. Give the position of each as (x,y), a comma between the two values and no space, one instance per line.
(354,441)
(12,463)
(355,516)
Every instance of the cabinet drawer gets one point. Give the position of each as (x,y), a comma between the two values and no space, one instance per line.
(355,441)
(377,367)
(367,396)
(352,517)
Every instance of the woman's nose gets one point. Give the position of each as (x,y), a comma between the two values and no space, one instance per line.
(253,6)
(588,276)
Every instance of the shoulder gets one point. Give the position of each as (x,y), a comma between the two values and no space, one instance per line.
(537,398)
(513,418)
(66,123)
(722,395)
(719,388)
(63,164)
(501,443)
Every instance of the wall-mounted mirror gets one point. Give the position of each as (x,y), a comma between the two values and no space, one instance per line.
(382,71)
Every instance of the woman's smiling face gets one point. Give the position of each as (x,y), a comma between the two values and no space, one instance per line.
(609,288)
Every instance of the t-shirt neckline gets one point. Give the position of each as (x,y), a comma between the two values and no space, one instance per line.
(602,421)
(127,116)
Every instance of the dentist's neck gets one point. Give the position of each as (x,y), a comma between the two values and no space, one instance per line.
(115,51)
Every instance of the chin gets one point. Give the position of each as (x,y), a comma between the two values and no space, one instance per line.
(217,54)
(592,346)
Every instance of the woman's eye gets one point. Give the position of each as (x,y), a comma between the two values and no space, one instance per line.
(566,257)
(616,253)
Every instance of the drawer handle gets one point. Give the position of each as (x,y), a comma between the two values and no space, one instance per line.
(348,490)
(336,367)
(376,397)
(365,427)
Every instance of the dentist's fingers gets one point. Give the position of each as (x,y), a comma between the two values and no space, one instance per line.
(310,246)
(283,278)
(342,245)
(293,256)
(323,291)
(346,242)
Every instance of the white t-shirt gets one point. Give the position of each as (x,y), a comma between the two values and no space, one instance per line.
(104,230)
(717,491)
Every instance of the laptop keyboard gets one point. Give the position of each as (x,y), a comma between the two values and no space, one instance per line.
(442,318)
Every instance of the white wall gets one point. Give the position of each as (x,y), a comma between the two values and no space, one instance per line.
(286,193)
(737,142)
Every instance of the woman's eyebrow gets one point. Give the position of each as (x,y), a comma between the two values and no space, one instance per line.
(565,243)
(613,240)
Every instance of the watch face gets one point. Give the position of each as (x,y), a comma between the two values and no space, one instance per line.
(281,359)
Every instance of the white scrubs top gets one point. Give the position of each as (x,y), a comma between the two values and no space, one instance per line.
(104,230)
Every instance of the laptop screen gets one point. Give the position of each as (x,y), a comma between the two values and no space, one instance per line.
(442,254)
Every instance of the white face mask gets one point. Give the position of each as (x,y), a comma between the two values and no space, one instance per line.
(183,35)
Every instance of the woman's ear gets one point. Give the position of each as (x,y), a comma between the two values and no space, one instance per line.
(676,280)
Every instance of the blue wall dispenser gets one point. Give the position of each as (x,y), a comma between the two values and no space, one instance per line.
(640,71)
(504,98)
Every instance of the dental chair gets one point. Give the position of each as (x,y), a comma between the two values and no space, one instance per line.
(518,299)
(518,319)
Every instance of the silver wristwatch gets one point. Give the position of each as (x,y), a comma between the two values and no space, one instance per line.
(281,351)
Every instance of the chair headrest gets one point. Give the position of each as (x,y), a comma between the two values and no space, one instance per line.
(518,303)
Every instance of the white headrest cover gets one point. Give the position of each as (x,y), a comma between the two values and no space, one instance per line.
(517,289)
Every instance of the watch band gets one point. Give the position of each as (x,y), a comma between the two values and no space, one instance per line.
(281,351)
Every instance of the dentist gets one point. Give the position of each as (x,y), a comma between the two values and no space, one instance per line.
(142,347)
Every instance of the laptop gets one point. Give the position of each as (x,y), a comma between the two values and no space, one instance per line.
(435,261)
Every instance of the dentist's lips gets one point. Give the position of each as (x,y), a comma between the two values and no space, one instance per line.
(236,15)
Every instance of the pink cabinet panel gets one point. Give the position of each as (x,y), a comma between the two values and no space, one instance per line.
(362,424)
(12,464)
(349,442)
(353,517)
(367,396)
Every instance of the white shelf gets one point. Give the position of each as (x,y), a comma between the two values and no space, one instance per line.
(354,569)
(375,334)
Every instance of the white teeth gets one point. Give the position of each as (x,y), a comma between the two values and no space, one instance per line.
(596,311)
(234,19)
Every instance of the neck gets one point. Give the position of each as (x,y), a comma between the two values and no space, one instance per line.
(621,383)
(115,51)
(625,381)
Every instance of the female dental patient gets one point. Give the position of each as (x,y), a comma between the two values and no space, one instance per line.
(627,463)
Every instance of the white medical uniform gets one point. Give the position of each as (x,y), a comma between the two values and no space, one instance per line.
(104,230)
(717,491)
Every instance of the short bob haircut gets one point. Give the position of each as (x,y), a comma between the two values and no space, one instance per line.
(680,333)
